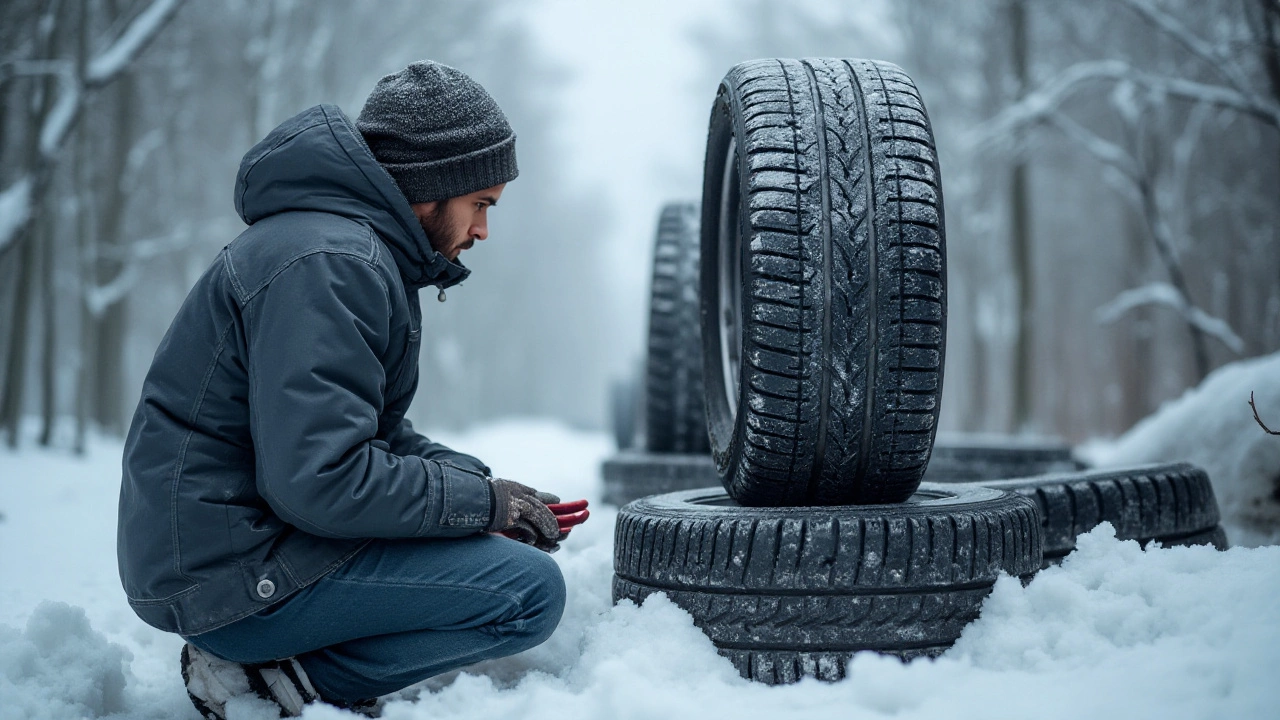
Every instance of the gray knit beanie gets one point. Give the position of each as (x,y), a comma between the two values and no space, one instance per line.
(438,133)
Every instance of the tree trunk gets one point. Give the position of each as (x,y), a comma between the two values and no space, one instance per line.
(1020,235)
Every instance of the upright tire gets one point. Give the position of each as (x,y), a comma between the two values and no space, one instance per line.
(675,421)
(790,592)
(823,283)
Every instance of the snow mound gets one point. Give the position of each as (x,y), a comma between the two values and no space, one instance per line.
(1212,426)
(59,667)
(1115,632)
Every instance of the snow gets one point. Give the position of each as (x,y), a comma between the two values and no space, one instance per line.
(1116,631)
(1212,426)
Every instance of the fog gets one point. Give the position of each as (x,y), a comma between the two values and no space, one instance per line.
(1111,171)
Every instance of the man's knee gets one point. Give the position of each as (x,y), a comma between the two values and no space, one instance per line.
(543,597)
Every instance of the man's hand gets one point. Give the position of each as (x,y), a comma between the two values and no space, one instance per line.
(521,513)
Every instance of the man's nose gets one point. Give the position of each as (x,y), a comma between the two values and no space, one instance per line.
(480,231)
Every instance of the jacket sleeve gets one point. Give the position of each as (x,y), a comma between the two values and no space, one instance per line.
(404,440)
(316,335)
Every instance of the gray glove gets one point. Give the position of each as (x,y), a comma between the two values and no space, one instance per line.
(521,513)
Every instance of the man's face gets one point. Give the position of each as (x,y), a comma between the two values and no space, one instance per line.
(456,224)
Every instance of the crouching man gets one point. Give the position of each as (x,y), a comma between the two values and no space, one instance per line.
(277,511)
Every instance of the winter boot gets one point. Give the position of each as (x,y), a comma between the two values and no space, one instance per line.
(212,681)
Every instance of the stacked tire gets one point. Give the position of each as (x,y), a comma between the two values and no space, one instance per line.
(822,271)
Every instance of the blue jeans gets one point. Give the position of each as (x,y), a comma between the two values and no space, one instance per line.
(402,611)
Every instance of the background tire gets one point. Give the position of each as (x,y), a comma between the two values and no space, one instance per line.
(1170,504)
(974,458)
(626,410)
(632,475)
(823,283)
(787,592)
(675,419)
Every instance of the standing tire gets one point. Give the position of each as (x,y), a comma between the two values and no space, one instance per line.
(632,475)
(790,592)
(974,458)
(1170,504)
(675,420)
(823,283)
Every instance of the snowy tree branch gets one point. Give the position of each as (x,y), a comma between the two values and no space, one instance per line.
(104,68)
(15,209)
(1171,26)
(1104,151)
(98,298)
(1040,103)
(1160,293)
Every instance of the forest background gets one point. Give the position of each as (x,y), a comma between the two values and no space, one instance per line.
(1111,171)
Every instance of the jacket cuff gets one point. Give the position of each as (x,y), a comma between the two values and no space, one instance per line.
(465,499)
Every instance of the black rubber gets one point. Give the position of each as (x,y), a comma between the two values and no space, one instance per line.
(675,421)
(1168,504)
(825,174)
(788,592)
(632,475)
(973,458)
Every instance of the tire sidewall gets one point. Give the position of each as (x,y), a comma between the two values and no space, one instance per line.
(723,430)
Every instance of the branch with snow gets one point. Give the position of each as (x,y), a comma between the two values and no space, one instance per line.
(98,298)
(1039,104)
(1219,59)
(1161,293)
(15,209)
(144,27)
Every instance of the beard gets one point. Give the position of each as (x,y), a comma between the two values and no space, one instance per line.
(443,236)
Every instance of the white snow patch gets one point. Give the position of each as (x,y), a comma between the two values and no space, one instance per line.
(1212,426)
(1115,632)
(59,667)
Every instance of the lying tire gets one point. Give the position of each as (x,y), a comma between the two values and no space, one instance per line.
(1170,504)
(823,283)
(632,475)
(973,458)
(675,421)
(790,592)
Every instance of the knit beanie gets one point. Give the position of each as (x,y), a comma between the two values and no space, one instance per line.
(438,133)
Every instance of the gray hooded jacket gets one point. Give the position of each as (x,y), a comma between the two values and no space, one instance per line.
(270,442)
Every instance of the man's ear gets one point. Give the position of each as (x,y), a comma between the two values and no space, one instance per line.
(423,209)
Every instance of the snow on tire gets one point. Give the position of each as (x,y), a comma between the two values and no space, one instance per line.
(1170,504)
(977,457)
(789,592)
(675,421)
(823,283)
(632,475)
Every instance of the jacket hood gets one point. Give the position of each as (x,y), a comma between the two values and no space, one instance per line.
(317,161)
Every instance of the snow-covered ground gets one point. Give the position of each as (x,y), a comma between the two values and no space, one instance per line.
(1115,632)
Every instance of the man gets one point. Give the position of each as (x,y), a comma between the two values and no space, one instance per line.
(276,509)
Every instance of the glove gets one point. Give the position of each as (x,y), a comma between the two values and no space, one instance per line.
(521,513)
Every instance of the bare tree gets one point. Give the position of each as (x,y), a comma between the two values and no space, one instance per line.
(1141,101)
(69,78)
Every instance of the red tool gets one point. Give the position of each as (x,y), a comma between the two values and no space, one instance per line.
(569,514)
